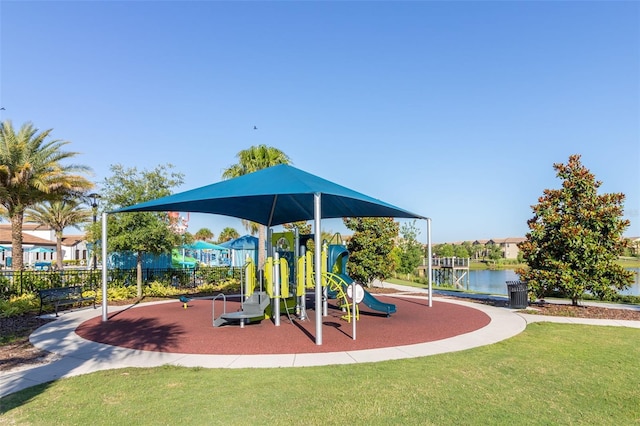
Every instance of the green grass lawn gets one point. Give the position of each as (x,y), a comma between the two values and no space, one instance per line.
(549,374)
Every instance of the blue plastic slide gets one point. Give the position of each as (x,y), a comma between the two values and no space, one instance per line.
(372,302)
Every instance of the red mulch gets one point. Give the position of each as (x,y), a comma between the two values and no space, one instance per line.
(168,327)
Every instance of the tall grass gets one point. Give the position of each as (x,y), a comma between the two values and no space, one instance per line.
(549,374)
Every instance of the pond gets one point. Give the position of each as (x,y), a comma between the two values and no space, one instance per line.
(494,282)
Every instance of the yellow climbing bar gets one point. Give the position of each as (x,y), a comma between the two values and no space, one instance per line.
(284,278)
(250,276)
(300,276)
(337,284)
(268,276)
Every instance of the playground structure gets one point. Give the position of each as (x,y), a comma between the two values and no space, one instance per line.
(274,196)
(287,275)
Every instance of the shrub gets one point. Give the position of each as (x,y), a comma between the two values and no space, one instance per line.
(18,305)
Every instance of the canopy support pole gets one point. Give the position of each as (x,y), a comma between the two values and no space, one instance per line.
(429,262)
(104,267)
(317,262)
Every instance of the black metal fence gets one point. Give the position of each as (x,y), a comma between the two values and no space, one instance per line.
(16,283)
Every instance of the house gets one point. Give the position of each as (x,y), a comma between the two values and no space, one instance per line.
(634,245)
(74,247)
(509,246)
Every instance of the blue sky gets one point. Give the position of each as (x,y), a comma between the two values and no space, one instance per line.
(453,110)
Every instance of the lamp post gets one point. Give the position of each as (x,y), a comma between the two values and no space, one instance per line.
(94,206)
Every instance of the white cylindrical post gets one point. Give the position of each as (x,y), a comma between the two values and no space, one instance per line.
(303,298)
(276,289)
(353,315)
(104,267)
(429,267)
(317,263)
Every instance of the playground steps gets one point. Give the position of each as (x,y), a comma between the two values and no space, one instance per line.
(253,307)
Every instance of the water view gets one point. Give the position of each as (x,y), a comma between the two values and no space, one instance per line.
(494,282)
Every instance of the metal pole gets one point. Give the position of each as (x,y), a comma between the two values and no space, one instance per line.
(93,254)
(317,261)
(276,289)
(353,315)
(104,267)
(94,207)
(429,266)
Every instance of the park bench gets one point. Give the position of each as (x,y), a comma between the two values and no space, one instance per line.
(61,296)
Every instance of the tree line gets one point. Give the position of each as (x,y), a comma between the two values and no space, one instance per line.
(575,233)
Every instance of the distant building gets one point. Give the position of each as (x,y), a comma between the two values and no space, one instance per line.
(634,245)
(74,247)
(508,246)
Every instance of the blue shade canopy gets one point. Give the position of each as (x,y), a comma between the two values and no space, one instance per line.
(203,245)
(40,250)
(273,196)
(246,242)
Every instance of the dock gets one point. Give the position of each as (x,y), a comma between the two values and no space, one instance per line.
(448,271)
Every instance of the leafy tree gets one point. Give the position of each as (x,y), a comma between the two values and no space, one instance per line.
(32,172)
(58,215)
(228,234)
(252,228)
(444,250)
(325,237)
(203,234)
(494,252)
(370,247)
(575,238)
(460,250)
(476,250)
(304,227)
(140,232)
(187,238)
(466,249)
(251,160)
(411,251)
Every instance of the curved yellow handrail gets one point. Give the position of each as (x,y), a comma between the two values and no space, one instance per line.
(339,285)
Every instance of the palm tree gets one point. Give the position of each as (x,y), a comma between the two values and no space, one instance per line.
(58,215)
(31,172)
(203,234)
(252,228)
(251,160)
(228,234)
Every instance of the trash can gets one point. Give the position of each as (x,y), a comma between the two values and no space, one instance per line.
(518,294)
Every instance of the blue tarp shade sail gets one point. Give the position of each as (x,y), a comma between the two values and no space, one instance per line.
(242,247)
(274,196)
(40,250)
(246,242)
(203,245)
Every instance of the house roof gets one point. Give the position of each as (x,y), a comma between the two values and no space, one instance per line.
(5,239)
(72,240)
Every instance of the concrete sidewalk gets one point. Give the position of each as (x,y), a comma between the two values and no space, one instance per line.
(76,355)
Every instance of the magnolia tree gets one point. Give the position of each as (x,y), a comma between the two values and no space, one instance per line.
(575,238)
(370,248)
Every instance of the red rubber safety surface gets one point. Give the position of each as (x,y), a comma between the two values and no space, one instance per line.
(168,327)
